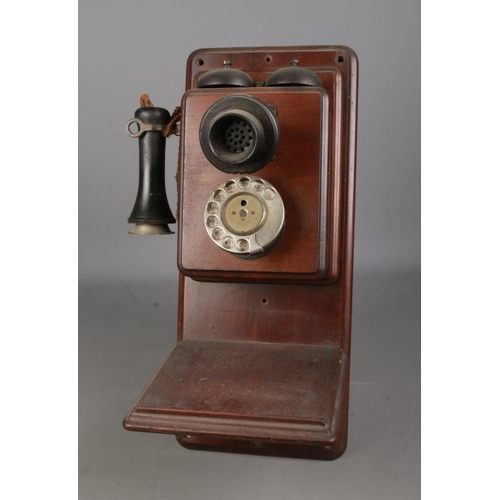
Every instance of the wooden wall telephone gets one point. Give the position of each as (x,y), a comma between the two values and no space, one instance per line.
(265,251)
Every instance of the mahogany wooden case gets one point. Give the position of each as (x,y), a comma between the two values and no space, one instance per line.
(262,360)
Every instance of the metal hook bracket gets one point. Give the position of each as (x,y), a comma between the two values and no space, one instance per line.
(143,127)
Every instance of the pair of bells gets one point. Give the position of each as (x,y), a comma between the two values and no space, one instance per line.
(292,76)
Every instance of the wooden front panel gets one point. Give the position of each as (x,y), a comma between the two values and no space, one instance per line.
(300,173)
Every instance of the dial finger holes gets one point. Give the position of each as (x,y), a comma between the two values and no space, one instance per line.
(219,194)
(258,185)
(269,194)
(212,207)
(212,221)
(244,182)
(242,245)
(244,216)
(218,233)
(228,242)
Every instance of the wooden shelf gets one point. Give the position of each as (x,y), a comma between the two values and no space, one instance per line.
(281,393)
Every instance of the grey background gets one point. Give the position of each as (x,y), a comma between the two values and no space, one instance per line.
(128,284)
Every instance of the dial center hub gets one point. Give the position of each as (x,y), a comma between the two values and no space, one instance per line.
(243,214)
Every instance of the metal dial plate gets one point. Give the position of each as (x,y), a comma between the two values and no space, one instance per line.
(245,216)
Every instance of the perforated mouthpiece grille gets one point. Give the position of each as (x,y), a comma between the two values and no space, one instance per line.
(238,136)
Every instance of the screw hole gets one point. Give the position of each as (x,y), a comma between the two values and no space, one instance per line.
(244,203)
(263,300)
(200,62)
(340,59)
(269,58)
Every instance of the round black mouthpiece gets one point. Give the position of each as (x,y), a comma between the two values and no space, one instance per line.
(239,134)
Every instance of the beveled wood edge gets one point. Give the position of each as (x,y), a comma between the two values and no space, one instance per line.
(348,266)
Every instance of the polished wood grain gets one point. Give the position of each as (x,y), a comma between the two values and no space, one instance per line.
(293,314)
(262,360)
